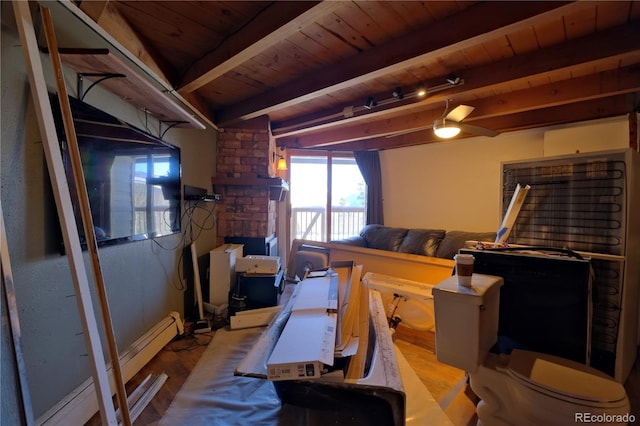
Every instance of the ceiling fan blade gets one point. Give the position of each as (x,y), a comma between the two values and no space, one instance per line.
(477,130)
(459,113)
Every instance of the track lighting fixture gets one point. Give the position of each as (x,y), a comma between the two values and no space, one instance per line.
(421,91)
(370,103)
(453,79)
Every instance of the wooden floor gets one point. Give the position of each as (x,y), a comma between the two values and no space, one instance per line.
(446,384)
(177,360)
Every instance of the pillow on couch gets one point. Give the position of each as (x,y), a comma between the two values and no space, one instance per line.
(383,237)
(422,241)
(454,240)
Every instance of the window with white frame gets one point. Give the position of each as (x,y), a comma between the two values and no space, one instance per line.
(328,195)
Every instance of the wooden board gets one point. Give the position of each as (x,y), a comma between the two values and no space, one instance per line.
(14,322)
(85,210)
(196,280)
(133,88)
(357,363)
(414,267)
(62,196)
(253,317)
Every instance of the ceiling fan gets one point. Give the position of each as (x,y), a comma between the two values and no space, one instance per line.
(450,124)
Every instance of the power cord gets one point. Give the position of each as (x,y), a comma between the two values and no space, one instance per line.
(189,342)
(192,230)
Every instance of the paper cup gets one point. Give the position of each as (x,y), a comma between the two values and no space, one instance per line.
(464,268)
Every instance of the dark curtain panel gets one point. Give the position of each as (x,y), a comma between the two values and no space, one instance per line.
(369,165)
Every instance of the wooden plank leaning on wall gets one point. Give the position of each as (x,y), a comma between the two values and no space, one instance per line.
(62,196)
(14,322)
(85,211)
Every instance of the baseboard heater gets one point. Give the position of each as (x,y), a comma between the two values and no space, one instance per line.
(81,404)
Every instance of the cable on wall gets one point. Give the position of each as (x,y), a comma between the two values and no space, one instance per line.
(192,230)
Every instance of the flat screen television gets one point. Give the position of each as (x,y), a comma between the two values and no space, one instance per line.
(132,177)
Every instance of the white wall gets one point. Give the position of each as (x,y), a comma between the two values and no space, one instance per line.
(455,185)
(611,133)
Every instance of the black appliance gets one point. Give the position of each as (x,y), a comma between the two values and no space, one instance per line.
(261,246)
(545,302)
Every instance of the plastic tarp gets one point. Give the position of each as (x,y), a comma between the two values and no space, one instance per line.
(212,395)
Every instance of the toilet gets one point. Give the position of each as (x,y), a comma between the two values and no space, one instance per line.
(523,387)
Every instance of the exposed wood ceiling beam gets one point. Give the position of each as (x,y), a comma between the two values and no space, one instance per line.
(94,9)
(278,21)
(499,19)
(587,110)
(324,107)
(607,83)
(109,18)
(593,51)
(594,86)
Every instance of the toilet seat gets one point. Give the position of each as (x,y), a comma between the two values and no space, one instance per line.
(565,379)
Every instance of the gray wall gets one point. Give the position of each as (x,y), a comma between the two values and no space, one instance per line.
(142,278)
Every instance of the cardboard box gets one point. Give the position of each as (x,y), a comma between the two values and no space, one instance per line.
(308,339)
(348,306)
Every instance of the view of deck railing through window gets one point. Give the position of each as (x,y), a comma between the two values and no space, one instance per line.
(310,222)
(315,179)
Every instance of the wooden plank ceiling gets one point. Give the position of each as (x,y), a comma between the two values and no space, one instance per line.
(311,66)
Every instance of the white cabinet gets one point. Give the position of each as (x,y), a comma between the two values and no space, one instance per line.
(222,272)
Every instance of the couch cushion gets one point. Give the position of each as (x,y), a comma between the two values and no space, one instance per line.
(422,241)
(356,241)
(383,237)
(454,240)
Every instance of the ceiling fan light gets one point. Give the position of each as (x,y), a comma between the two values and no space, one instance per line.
(445,129)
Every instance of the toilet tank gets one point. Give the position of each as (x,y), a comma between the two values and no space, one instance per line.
(466,320)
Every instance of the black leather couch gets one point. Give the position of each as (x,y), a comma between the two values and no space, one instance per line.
(427,242)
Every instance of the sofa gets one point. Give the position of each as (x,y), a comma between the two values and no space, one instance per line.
(426,242)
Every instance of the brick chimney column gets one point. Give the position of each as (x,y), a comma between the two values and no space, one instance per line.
(246,152)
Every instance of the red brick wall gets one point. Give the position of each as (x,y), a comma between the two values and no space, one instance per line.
(245,211)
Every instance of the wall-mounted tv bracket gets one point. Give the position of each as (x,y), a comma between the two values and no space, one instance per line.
(104,76)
